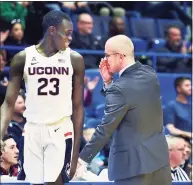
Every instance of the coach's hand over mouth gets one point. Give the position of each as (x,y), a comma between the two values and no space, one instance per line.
(105,74)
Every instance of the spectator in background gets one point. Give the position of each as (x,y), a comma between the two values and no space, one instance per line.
(174,44)
(15,37)
(36,11)
(178,112)
(16,129)
(84,39)
(75,7)
(4,33)
(9,156)
(3,77)
(116,27)
(17,123)
(177,156)
(13,10)
(89,86)
(187,165)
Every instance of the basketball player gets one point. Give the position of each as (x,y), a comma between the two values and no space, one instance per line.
(54,80)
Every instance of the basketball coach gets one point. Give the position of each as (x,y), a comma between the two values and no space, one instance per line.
(132,119)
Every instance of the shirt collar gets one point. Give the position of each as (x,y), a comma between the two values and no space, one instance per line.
(122,70)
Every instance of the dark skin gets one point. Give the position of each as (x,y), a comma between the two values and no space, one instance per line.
(55,39)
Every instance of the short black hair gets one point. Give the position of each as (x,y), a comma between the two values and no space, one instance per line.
(6,137)
(54,18)
(179,81)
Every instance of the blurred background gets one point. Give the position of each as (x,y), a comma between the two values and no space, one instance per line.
(162,36)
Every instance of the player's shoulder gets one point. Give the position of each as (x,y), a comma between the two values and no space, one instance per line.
(18,63)
(75,55)
(19,58)
(76,59)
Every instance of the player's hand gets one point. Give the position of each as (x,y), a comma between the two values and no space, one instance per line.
(72,170)
(103,68)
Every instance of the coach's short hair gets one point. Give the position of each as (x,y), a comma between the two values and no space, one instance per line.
(179,80)
(54,18)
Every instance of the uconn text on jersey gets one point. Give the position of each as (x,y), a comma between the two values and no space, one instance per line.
(48,70)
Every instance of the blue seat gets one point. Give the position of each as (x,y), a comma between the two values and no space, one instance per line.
(143,28)
(133,14)
(140,45)
(105,24)
(164,24)
(74,21)
(157,43)
(99,112)
(97,28)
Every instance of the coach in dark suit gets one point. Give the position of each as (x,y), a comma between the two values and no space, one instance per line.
(133,117)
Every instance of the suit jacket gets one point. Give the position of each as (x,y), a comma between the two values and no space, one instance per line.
(133,117)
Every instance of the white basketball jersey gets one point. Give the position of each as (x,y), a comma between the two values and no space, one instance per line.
(48,82)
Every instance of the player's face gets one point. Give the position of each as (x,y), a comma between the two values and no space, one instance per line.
(63,36)
(19,105)
(10,153)
(186,88)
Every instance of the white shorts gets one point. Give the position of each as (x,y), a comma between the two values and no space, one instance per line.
(47,151)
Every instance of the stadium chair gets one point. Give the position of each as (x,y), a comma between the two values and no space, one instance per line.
(99,112)
(143,28)
(105,24)
(164,24)
(139,45)
(74,21)
(157,43)
(97,28)
(133,14)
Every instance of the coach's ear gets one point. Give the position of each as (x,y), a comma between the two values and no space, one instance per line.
(52,30)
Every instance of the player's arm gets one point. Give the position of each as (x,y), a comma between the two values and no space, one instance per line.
(78,110)
(16,75)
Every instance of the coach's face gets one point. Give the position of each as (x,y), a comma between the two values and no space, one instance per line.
(63,35)
(11,153)
(114,58)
